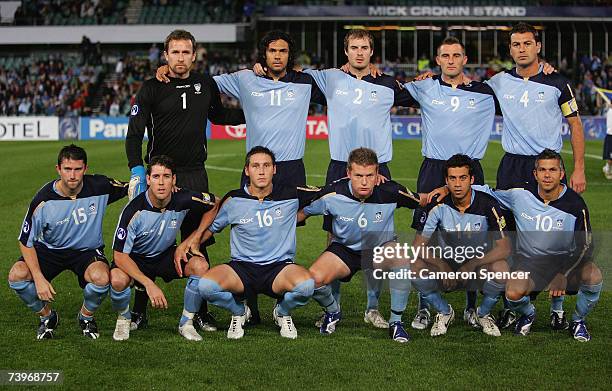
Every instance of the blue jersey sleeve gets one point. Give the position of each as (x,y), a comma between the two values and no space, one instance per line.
(229,84)
(222,219)
(432,221)
(504,197)
(127,228)
(320,77)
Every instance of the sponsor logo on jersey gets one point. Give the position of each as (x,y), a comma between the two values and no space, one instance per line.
(255,93)
(197,87)
(526,216)
(245,221)
(134,110)
(62,222)
(341,92)
(184,86)
(437,102)
(347,219)
(509,97)
(121,234)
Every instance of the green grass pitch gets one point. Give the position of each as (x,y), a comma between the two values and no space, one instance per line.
(355,357)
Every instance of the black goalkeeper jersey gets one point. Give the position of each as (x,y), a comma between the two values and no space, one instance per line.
(175,114)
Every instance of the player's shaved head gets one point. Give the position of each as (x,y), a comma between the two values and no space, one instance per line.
(71,152)
(451,41)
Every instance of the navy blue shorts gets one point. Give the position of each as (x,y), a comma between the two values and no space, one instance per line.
(607,152)
(161,265)
(258,278)
(516,170)
(354,260)
(288,173)
(53,262)
(431,176)
(337,170)
(542,270)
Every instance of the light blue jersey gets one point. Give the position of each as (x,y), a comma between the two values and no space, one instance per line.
(476,226)
(358,111)
(545,229)
(533,110)
(61,223)
(454,119)
(262,232)
(149,231)
(275,111)
(362,224)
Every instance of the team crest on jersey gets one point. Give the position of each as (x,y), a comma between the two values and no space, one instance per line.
(134,110)
(373,96)
(290,95)
(559,223)
(278,213)
(476,226)
(121,234)
(26,227)
(92,209)
(172,223)
(378,216)
(540,96)
(472,102)
(197,87)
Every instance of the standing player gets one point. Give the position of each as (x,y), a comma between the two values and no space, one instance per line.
(175,115)
(362,219)
(144,245)
(263,218)
(468,219)
(554,244)
(456,118)
(533,105)
(359,115)
(63,231)
(276,109)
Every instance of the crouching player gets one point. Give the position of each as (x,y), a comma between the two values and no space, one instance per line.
(263,219)
(554,245)
(465,224)
(362,219)
(63,231)
(144,245)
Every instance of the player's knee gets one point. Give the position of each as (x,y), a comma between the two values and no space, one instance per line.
(318,277)
(305,288)
(99,276)
(500,267)
(514,292)
(196,267)
(119,279)
(19,272)
(591,274)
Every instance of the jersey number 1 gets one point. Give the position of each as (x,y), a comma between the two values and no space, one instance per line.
(184,98)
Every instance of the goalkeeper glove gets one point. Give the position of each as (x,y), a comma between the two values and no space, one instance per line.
(138,182)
